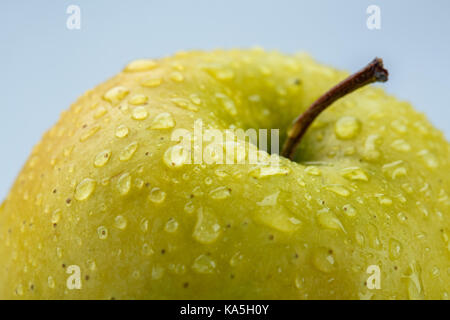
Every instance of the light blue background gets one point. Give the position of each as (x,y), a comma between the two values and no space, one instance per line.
(45,67)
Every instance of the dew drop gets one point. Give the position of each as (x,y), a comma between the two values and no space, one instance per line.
(144,225)
(140,65)
(184,104)
(236,259)
(195,99)
(100,112)
(84,189)
(151,82)
(395,249)
(128,152)
(349,210)
(203,264)
(189,207)
(163,121)
(122,131)
(102,232)
(371,152)
(157,272)
(328,219)
(400,145)
(347,127)
(157,195)
(124,184)
(138,99)
(268,171)
(323,260)
(56,216)
(85,136)
(120,222)
(220,193)
(313,171)
(102,158)
(339,190)
(176,76)
(429,159)
(227,103)
(139,113)
(19,290)
(354,173)
(147,250)
(176,156)
(171,225)
(415,291)
(207,228)
(116,94)
(50,282)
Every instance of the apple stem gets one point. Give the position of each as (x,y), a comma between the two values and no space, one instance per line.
(373,72)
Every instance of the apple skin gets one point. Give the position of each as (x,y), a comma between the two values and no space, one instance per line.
(369,186)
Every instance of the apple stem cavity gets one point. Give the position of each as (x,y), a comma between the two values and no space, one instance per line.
(373,72)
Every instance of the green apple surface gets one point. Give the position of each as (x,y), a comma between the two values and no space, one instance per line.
(105,192)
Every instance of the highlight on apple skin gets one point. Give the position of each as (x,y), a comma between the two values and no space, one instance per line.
(109,196)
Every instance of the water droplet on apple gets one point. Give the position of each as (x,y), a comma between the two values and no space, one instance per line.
(189,207)
(84,189)
(328,219)
(56,216)
(141,65)
(138,99)
(171,225)
(347,127)
(227,103)
(323,260)
(102,158)
(151,82)
(203,264)
(395,249)
(370,151)
(128,152)
(236,259)
(139,113)
(163,121)
(157,195)
(184,104)
(120,222)
(144,225)
(176,156)
(268,171)
(176,76)
(220,193)
(354,173)
(415,291)
(147,250)
(399,125)
(102,232)
(338,189)
(207,228)
(400,145)
(122,131)
(195,99)
(51,282)
(157,272)
(116,94)
(124,184)
(313,171)
(100,112)
(349,210)
(429,159)
(89,133)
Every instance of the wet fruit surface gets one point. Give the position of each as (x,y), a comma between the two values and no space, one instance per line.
(108,190)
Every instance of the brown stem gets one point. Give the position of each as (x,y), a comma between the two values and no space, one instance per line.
(373,72)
